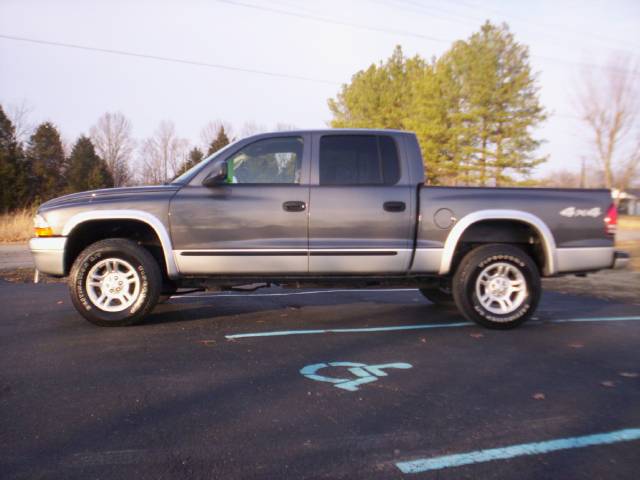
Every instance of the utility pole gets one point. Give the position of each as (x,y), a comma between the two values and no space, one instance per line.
(583,173)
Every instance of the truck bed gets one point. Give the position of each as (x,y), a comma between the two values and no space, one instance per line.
(569,223)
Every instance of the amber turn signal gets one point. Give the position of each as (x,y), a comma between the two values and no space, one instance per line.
(44,232)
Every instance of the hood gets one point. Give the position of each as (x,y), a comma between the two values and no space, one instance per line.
(109,194)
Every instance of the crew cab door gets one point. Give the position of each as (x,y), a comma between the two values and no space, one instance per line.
(361,213)
(252,221)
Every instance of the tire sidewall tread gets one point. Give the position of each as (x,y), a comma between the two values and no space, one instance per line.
(140,258)
(464,285)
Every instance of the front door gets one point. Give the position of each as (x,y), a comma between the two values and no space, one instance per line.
(360,218)
(256,221)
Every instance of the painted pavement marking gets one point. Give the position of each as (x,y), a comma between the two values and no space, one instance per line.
(364,373)
(280,333)
(501,453)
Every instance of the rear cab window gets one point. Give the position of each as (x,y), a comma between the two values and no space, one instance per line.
(358,160)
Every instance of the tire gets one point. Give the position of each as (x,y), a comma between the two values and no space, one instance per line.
(440,295)
(497,286)
(125,283)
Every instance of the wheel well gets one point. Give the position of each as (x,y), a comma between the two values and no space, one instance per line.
(92,231)
(513,232)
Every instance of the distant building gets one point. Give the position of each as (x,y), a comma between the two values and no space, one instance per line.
(628,201)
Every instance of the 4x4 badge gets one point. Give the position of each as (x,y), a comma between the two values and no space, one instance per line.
(571,212)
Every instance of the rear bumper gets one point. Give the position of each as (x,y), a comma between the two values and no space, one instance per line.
(48,254)
(620,260)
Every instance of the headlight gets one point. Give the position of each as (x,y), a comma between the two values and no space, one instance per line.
(43,229)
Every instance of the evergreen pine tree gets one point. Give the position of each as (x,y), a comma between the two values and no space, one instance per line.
(221,140)
(86,170)
(378,96)
(498,103)
(195,156)
(13,170)
(46,160)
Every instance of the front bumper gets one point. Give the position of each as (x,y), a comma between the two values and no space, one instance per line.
(620,260)
(48,254)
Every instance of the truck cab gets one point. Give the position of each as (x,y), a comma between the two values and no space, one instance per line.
(300,203)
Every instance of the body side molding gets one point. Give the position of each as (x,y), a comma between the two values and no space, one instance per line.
(145,217)
(465,222)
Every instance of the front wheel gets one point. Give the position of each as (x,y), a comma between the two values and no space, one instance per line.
(115,282)
(497,286)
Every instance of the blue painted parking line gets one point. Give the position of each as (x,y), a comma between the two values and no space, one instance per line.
(479,456)
(597,319)
(282,333)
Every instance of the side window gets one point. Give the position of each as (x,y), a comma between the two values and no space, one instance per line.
(272,160)
(358,160)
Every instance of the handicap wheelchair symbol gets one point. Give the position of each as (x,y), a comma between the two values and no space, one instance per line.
(364,373)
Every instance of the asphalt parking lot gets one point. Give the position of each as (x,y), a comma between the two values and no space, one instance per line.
(380,384)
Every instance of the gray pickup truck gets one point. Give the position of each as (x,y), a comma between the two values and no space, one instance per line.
(322,207)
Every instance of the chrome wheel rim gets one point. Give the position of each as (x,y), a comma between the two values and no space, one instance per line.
(113,285)
(501,288)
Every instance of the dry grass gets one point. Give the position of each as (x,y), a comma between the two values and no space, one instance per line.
(16,226)
(627,222)
(633,249)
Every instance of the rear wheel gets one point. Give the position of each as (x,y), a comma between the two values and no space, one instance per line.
(497,286)
(115,282)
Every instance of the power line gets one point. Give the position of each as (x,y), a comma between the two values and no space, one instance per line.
(426,9)
(167,59)
(360,26)
(466,19)
(550,26)
(404,33)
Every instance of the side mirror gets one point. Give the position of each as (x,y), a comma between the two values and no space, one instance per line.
(217,177)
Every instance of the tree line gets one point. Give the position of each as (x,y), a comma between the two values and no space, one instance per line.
(474,110)
(34,165)
(39,169)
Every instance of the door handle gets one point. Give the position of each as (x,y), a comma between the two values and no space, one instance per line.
(394,206)
(294,206)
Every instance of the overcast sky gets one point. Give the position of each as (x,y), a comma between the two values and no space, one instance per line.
(73,87)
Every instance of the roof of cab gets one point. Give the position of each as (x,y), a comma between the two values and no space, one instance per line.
(378,131)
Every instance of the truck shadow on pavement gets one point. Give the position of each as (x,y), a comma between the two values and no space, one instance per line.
(308,314)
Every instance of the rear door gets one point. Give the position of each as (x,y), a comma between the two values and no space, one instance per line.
(255,222)
(361,205)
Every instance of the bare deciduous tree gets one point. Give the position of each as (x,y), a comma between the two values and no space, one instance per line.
(162,154)
(251,128)
(561,179)
(210,131)
(608,104)
(19,114)
(111,136)
(284,127)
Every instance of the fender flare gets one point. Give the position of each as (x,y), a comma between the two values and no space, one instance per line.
(533,221)
(145,217)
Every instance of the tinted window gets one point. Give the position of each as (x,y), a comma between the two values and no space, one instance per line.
(272,160)
(358,160)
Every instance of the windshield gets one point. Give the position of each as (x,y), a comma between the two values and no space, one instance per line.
(193,171)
